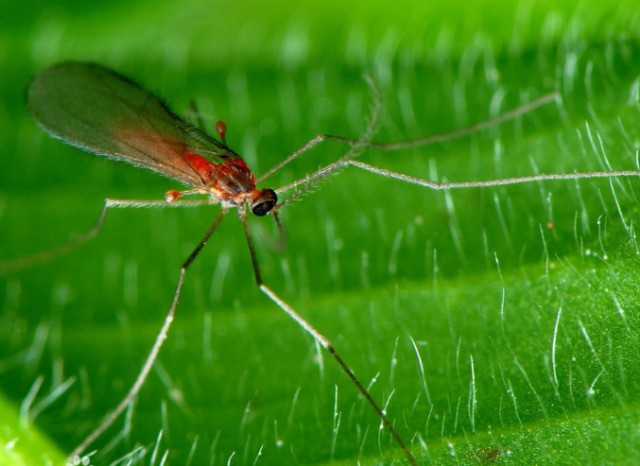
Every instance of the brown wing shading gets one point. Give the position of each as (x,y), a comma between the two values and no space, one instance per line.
(100,111)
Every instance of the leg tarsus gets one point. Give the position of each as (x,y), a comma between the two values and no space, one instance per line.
(142,376)
(318,337)
(21,263)
(322,340)
(155,350)
(488,183)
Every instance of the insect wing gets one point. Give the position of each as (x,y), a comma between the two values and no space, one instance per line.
(98,110)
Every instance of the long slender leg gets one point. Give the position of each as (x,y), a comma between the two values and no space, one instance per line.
(321,339)
(523,109)
(20,263)
(483,184)
(160,338)
(310,180)
(304,185)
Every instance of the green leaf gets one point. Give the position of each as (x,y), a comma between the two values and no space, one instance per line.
(500,325)
(21,443)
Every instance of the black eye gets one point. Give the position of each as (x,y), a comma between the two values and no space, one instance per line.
(264,203)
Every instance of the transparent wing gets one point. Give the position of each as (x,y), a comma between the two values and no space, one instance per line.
(100,111)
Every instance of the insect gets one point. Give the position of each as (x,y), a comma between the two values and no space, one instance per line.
(100,111)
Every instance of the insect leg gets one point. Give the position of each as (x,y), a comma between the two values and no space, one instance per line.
(483,184)
(523,109)
(356,144)
(160,338)
(321,339)
(20,263)
(458,133)
(303,185)
(311,180)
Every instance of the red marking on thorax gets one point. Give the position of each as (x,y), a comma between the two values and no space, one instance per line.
(235,166)
(217,172)
(201,164)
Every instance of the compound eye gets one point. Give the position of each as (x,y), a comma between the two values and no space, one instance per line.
(263,204)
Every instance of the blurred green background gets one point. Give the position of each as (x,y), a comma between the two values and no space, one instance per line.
(521,301)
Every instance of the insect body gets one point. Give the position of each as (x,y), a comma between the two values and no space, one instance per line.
(102,112)
(93,108)
(232,183)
